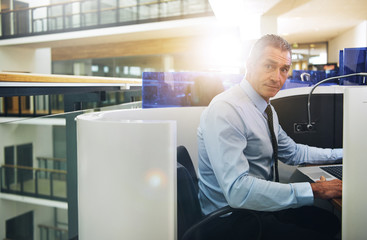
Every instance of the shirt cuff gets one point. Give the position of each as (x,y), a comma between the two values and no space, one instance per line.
(304,194)
(337,153)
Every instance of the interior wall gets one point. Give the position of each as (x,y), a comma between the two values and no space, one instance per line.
(17,134)
(16,59)
(42,61)
(25,60)
(355,37)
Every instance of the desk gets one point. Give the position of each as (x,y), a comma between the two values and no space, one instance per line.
(337,203)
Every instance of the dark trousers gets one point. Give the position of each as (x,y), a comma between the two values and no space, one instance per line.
(309,223)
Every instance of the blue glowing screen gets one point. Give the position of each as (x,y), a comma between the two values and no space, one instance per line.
(180,89)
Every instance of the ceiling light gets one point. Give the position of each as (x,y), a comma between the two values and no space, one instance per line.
(236,14)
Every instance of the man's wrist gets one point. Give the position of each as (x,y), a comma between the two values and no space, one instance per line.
(316,190)
(303,192)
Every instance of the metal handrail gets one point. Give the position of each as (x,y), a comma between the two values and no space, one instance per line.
(32,168)
(52,159)
(53,228)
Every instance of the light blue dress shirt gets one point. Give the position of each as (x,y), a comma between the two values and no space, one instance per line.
(235,156)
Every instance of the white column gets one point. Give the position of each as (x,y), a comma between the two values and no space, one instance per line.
(168,63)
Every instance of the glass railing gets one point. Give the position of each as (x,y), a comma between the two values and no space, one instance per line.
(41,105)
(34,18)
(34,182)
(52,233)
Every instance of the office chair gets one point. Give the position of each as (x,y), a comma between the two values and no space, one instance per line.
(192,223)
(183,157)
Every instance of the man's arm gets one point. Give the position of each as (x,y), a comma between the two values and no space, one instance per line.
(327,189)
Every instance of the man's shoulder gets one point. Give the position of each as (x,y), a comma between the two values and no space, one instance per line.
(234,96)
(232,100)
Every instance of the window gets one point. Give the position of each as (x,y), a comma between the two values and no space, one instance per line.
(307,56)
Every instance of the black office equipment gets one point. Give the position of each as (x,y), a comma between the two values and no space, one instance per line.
(336,171)
(321,125)
(192,223)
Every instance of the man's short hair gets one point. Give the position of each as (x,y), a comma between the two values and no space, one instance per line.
(271,40)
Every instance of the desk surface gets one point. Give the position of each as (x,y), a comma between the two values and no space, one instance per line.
(337,203)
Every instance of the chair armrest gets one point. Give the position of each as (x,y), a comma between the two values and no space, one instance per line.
(216,214)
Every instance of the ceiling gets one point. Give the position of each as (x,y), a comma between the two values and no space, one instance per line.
(321,20)
(304,21)
(299,21)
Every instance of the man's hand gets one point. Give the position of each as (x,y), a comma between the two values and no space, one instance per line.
(327,189)
(322,179)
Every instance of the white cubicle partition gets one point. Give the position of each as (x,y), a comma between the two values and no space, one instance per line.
(126,179)
(187,119)
(354,210)
(127,171)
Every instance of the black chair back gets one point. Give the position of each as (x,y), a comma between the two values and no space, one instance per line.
(183,157)
(188,206)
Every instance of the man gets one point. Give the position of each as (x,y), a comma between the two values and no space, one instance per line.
(236,164)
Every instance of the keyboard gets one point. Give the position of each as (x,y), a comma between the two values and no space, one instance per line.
(336,171)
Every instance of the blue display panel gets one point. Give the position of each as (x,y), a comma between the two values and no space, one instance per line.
(314,77)
(180,89)
(295,83)
(353,61)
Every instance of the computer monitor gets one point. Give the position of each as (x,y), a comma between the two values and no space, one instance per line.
(182,89)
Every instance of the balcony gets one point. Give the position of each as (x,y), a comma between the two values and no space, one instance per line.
(33,182)
(24,18)
(35,95)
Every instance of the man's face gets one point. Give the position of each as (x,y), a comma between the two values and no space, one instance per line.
(269,73)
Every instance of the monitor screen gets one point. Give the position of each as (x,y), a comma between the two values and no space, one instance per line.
(180,89)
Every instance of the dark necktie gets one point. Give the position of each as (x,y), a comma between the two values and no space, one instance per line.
(273,140)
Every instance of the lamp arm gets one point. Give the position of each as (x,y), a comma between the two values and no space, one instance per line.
(309,125)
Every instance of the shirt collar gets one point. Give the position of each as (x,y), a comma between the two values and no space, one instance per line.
(257,100)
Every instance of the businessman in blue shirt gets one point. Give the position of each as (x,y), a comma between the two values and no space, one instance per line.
(236,164)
